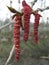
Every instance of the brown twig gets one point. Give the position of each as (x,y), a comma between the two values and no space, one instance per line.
(39,9)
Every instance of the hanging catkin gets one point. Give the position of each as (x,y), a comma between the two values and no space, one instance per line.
(27,13)
(17,21)
(36,24)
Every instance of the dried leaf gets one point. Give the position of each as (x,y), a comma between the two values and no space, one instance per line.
(11,9)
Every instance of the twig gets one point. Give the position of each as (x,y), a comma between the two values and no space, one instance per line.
(39,9)
(44,57)
(19,13)
(10,56)
(33,3)
(5,25)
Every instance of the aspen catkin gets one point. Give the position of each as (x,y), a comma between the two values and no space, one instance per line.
(17,21)
(27,13)
(36,24)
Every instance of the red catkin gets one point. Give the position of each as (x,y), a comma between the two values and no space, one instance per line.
(27,13)
(16,33)
(36,24)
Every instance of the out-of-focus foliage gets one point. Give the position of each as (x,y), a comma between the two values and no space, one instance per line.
(29,50)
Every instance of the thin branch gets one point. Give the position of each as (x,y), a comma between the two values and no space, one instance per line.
(6,25)
(11,22)
(39,9)
(10,56)
(32,12)
(44,57)
(33,3)
(19,13)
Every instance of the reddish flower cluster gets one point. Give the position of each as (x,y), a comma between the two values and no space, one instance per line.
(36,24)
(27,13)
(17,21)
(18,24)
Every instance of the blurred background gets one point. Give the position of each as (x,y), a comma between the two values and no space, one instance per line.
(31,53)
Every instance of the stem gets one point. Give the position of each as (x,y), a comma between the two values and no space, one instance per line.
(10,56)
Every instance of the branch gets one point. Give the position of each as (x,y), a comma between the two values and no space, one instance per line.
(33,12)
(44,57)
(33,3)
(10,56)
(19,13)
(43,9)
(5,25)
